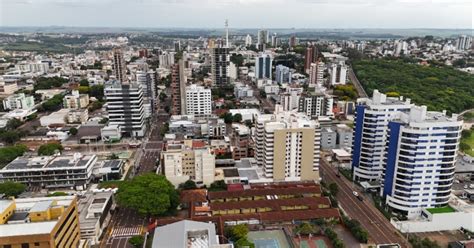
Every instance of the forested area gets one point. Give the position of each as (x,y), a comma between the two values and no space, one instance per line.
(437,87)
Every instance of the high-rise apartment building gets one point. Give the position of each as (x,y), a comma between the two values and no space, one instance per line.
(248,40)
(120,68)
(166,60)
(311,56)
(146,79)
(220,60)
(463,42)
(282,74)
(370,133)
(338,74)
(316,75)
(125,107)
(188,160)
(198,100)
(288,146)
(316,104)
(420,160)
(39,222)
(178,88)
(263,66)
(262,37)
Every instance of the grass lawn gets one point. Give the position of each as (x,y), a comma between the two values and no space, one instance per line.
(441,210)
(469,141)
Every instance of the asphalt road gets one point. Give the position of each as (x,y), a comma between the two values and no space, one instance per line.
(380,230)
(360,90)
(127,223)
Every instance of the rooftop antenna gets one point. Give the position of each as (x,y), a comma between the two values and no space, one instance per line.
(226,33)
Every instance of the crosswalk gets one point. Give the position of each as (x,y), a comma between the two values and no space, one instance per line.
(127,231)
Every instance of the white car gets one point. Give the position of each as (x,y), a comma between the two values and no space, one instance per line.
(355,193)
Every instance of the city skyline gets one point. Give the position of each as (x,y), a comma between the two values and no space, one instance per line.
(456,14)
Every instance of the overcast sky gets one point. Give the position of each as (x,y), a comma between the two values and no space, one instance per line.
(241,13)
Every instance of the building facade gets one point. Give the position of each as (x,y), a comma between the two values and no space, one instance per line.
(39,222)
(198,100)
(263,66)
(282,74)
(316,75)
(76,100)
(220,60)
(420,160)
(51,172)
(18,101)
(316,104)
(370,134)
(125,107)
(288,146)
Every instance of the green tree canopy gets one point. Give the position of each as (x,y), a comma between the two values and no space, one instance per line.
(12,188)
(149,194)
(237,118)
(73,131)
(189,184)
(49,149)
(9,153)
(137,241)
(438,87)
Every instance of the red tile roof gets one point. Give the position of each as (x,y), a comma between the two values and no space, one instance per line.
(264,192)
(275,205)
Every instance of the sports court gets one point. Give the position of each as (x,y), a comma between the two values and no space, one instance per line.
(269,239)
(313,242)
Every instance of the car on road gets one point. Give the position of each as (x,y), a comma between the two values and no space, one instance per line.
(360,197)
(338,175)
(355,193)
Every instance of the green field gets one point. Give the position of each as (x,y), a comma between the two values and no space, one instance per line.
(442,210)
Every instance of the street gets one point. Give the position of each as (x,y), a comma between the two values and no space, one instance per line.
(126,223)
(380,230)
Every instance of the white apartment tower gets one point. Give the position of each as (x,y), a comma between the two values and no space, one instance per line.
(316,75)
(248,40)
(198,100)
(370,133)
(420,160)
(338,74)
(288,146)
(125,107)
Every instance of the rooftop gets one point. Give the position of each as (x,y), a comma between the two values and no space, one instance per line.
(18,225)
(76,160)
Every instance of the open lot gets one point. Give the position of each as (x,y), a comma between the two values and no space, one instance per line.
(443,238)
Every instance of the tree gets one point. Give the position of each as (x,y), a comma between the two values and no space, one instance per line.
(58,193)
(9,153)
(227,117)
(238,232)
(162,96)
(84,82)
(73,131)
(237,118)
(113,156)
(305,228)
(189,184)
(12,188)
(13,124)
(97,91)
(333,188)
(460,63)
(244,243)
(219,185)
(149,194)
(49,149)
(53,104)
(137,241)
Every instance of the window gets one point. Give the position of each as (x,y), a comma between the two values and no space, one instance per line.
(37,244)
(25,245)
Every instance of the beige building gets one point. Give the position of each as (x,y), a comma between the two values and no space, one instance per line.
(288,146)
(76,100)
(77,116)
(44,222)
(184,160)
(7,88)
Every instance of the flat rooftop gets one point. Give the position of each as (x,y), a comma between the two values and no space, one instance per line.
(26,205)
(49,162)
